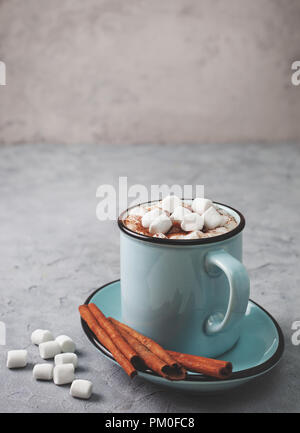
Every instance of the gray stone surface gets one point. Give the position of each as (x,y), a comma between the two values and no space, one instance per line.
(54,252)
(115,71)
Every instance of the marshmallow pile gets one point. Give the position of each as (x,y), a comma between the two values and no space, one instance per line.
(62,349)
(195,219)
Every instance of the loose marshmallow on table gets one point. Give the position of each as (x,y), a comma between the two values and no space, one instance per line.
(63,373)
(192,222)
(40,336)
(200,205)
(170,202)
(43,371)
(161,224)
(16,358)
(66,358)
(213,219)
(81,388)
(179,213)
(49,349)
(66,343)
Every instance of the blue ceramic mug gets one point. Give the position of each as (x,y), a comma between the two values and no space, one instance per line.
(188,295)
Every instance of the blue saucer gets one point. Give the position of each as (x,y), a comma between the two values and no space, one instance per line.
(258,350)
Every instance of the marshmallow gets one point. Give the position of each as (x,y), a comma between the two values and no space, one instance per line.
(179,213)
(16,358)
(194,235)
(161,224)
(66,343)
(200,205)
(40,336)
(230,224)
(212,218)
(43,372)
(221,230)
(66,358)
(170,202)
(150,216)
(81,388)
(137,211)
(160,235)
(192,222)
(49,349)
(63,373)
(176,236)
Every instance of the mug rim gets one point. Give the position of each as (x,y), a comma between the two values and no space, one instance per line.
(167,241)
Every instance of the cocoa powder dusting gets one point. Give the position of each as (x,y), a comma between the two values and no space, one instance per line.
(134,223)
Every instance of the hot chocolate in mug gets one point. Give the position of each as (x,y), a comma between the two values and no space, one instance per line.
(188,295)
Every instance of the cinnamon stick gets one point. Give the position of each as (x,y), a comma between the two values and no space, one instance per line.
(198,364)
(207,366)
(150,344)
(115,336)
(150,359)
(104,339)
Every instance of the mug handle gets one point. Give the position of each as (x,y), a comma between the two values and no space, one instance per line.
(239,288)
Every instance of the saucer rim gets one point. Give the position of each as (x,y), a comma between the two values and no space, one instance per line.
(195,377)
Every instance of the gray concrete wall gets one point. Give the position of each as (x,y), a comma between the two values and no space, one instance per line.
(139,71)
